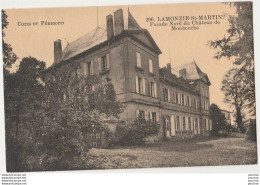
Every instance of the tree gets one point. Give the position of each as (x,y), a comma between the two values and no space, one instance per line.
(70,109)
(218,120)
(238,45)
(234,90)
(22,94)
(9,57)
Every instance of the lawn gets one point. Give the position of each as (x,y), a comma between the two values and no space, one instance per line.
(233,150)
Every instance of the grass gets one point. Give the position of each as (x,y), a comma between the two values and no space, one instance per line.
(211,151)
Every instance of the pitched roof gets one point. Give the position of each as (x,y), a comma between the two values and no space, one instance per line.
(193,72)
(95,37)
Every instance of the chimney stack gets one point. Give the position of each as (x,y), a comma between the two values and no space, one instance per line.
(169,67)
(119,21)
(110,28)
(57,51)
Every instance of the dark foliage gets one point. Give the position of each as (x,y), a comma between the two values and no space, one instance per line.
(251,130)
(218,120)
(9,57)
(135,133)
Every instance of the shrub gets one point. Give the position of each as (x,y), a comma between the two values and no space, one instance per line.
(135,134)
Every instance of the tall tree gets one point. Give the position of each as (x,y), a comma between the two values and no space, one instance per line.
(234,88)
(238,45)
(9,57)
(22,93)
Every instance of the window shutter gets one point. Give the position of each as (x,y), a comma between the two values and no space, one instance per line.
(146,116)
(192,122)
(151,115)
(158,117)
(137,113)
(155,90)
(136,84)
(179,98)
(99,64)
(169,95)
(108,63)
(143,86)
(190,102)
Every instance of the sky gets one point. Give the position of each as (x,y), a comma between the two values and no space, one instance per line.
(177,46)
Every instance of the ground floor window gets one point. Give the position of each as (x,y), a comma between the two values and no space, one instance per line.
(189,123)
(183,123)
(154,116)
(141,114)
(177,123)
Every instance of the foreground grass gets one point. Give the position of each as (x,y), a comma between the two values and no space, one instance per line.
(213,151)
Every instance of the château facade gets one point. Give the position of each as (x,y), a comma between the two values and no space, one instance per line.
(178,99)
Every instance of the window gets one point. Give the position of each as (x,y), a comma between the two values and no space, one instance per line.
(183,123)
(177,122)
(188,101)
(189,123)
(89,68)
(165,94)
(196,104)
(141,114)
(140,85)
(154,116)
(150,66)
(103,63)
(177,98)
(182,99)
(138,60)
(196,124)
(152,89)
(167,121)
(90,87)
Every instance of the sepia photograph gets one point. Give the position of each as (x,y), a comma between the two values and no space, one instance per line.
(120,87)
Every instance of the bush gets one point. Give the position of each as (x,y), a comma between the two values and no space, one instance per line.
(135,134)
(251,130)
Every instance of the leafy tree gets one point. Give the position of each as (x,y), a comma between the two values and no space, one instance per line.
(218,120)
(9,57)
(69,112)
(234,90)
(238,45)
(22,92)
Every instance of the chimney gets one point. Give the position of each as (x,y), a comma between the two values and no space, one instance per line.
(119,21)
(57,51)
(182,73)
(110,29)
(169,67)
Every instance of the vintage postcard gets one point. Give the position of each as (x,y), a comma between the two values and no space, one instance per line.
(138,86)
